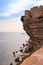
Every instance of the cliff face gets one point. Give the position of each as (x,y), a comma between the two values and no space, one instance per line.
(33,25)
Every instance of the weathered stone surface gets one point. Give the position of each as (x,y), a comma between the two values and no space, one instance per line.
(35,59)
(27,15)
(33,25)
(37,11)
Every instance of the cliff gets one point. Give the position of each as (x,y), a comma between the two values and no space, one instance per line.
(33,25)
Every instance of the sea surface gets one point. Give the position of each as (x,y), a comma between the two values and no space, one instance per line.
(9,42)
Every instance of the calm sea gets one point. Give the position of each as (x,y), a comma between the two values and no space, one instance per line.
(10,42)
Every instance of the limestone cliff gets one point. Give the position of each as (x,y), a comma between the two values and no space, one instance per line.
(33,25)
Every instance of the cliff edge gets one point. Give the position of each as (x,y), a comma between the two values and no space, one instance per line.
(33,25)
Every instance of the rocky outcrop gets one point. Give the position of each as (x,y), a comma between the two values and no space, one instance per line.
(35,59)
(33,25)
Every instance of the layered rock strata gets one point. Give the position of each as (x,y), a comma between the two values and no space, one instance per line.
(33,25)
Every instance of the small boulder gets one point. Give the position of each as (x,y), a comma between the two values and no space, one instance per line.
(17,59)
(11,64)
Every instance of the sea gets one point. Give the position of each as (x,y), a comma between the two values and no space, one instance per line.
(10,42)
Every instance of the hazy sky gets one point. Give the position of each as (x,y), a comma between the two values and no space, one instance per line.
(11,11)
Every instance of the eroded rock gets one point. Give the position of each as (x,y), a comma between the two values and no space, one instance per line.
(33,25)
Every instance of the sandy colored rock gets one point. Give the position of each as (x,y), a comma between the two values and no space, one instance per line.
(33,25)
(37,11)
(27,15)
(35,59)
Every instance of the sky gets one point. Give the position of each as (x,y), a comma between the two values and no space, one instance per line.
(11,12)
